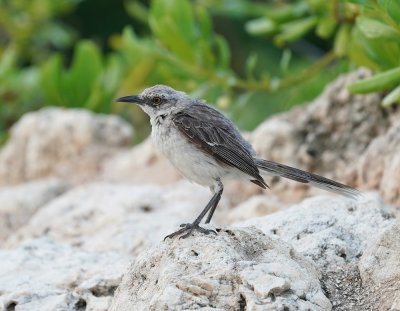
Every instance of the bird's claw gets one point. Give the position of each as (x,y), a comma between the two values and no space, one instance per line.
(189,228)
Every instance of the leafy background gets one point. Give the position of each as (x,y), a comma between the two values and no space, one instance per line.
(249,58)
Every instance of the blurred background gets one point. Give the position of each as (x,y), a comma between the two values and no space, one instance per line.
(249,58)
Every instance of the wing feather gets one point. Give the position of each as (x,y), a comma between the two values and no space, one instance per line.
(215,135)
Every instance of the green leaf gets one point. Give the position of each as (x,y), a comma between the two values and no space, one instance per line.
(137,10)
(7,63)
(285,60)
(288,12)
(393,10)
(173,24)
(294,30)
(205,23)
(373,53)
(342,40)
(260,26)
(51,81)
(378,82)
(374,29)
(251,63)
(326,26)
(86,68)
(224,54)
(392,98)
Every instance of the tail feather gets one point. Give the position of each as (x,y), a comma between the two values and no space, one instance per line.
(276,169)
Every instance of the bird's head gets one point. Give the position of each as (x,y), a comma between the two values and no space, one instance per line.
(158,100)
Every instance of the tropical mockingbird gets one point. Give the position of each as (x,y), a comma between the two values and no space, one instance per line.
(207,148)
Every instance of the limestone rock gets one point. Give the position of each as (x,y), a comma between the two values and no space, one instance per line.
(45,275)
(132,217)
(334,233)
(68,143)
(379,166)
(238,269)
(329,230)
(380,269)
(19,203)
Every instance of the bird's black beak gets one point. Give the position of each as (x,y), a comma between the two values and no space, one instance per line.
(130,99)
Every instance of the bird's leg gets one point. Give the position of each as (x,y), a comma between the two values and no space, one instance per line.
(189,228)
(219,190)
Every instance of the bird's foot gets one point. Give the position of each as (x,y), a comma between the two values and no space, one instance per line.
(188,230)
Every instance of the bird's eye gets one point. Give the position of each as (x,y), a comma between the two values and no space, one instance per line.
(156,100)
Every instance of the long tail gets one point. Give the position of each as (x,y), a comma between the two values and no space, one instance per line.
(276,169)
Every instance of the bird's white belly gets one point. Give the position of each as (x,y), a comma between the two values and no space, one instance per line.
(187,158)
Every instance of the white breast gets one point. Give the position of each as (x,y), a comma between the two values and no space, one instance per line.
(190,161)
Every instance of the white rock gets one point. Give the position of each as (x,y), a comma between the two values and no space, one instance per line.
(44,275)
(329,230)
(334,232)
(68,143)
(19,203)
(380,269)
(238,269)
(132,217)
(276,138)
(384,174)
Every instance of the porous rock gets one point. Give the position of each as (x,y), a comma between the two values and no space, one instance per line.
(238,269)
(334,233)
(379,166)
(45,275)
(133,217)
(329,230)
(19,203)
(68,143)
(380,269)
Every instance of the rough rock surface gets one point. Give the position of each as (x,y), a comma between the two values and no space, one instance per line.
(379,166)
(334,233)
(380,269)
(19,203)
(329,230)
(68,143)
(45,275)
(316,137)
(238,269)
(132,217)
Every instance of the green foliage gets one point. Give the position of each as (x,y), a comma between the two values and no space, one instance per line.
(18,90)
(366,32)
(183,51)
(376,44)
(242,55)
(90,81)
(30,27)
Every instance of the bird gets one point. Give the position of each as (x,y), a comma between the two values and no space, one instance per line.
(207,148)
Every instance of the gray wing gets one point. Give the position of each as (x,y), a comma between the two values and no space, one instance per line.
(215,135)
